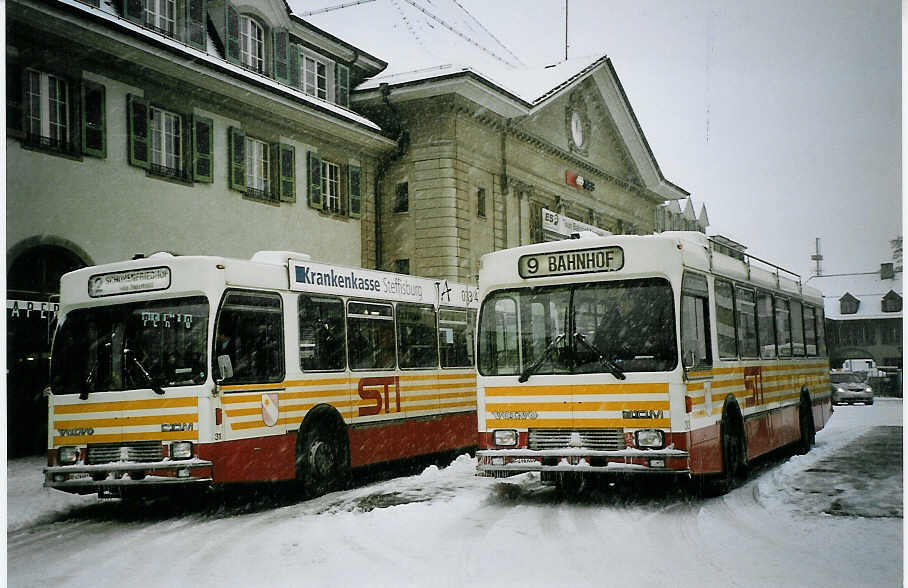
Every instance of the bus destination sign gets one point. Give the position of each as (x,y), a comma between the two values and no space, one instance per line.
(127,282)
(558,263)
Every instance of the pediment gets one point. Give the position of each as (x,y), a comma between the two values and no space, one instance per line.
(579,122)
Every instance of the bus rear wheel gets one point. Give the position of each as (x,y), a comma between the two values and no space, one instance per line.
(322,456)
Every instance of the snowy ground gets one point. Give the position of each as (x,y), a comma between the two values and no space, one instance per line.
(812,520)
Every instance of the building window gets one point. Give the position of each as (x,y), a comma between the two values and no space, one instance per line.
(848,304)
(481,202)
(891,332)
(402,198)
(315,77)
(252,44)
(892,302)
(47,111)
(402,266)
(258,182)
(331,187)
(166,142)
(160,15)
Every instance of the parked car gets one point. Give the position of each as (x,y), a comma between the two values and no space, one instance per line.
(850,388)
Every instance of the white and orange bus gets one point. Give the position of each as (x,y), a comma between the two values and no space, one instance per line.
(651,354)
(174,371)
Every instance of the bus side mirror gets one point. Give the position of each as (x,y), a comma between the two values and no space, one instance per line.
(225,367)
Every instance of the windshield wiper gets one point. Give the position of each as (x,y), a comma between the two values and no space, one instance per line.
(87,384)
(530,370)
(148,379)
(606,363)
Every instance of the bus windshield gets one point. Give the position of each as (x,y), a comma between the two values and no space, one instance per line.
(608,327)
(127,346)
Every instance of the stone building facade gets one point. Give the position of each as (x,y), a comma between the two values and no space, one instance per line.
(478,167)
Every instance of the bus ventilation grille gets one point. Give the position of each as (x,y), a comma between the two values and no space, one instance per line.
(599,439)
(142,451)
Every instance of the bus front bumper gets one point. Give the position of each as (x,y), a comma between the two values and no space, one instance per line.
(107,478)
(508,462)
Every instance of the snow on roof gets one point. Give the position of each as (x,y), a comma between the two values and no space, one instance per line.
(106,13)
(868,288)
(532,85)
(422,41)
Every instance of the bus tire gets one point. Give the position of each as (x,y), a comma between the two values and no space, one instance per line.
(805,424)
(734,452)
(322,454)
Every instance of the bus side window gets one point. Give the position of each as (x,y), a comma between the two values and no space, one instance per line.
(695,340)
(797,328)
(766,334)
(821,332)
(725,319)
(370,329)
(417,338)
(810,330)
(783,327)
(322,334)
(455,337)
(498,348)
(745,307)
(250,332)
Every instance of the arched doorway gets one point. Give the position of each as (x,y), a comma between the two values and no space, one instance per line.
(33,289)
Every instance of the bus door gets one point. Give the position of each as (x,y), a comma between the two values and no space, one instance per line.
(248,361)
(696,355)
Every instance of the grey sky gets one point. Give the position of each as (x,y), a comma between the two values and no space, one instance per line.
(783,117)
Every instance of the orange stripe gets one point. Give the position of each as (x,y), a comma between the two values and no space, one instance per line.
(120,437)
(646,388)
(577,423)
(577,406)
(125,405)
(128,421)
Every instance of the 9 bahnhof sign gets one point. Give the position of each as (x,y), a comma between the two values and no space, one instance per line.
(583,261)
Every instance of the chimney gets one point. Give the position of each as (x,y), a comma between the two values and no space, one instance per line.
(886,271)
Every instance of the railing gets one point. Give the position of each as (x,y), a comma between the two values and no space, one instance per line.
(173,173)
(264,195)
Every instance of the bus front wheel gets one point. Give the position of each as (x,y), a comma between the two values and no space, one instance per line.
(323,460)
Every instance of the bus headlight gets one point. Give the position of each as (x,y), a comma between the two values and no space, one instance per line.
(181,450)
(649,438)
(504,437)
(67,455)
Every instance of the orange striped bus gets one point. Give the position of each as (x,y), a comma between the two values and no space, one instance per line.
(660,354)
(179,371)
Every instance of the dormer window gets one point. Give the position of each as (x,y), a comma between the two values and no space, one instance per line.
(315,77)
(848,304)
(892,302)
(252,44)
(161,16)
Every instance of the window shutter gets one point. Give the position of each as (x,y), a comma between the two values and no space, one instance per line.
(138,130)
(134,10)
(342,79)
(237,159)
(286,172)
(281,59)
(315,181)
(196,31)
(15,100)
(232,46)
(354,183)
(94,121)
(294,65)
(202,160)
